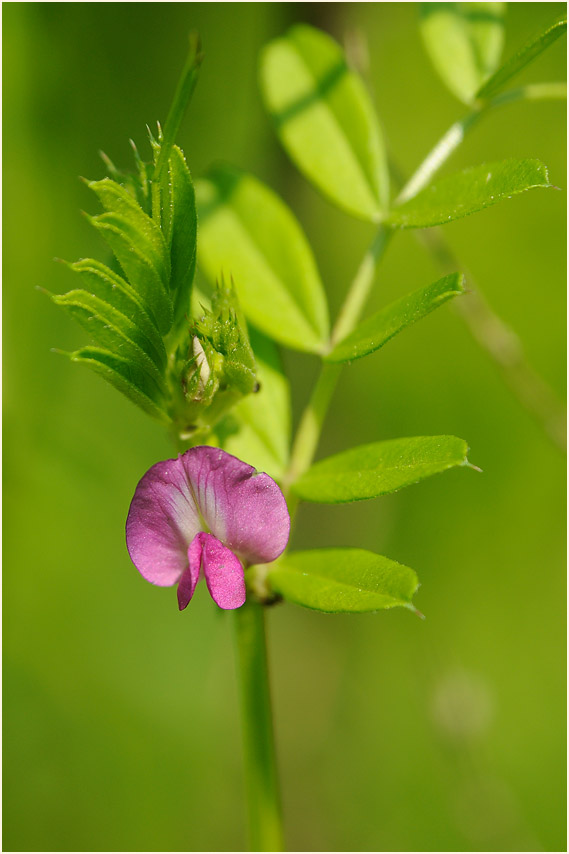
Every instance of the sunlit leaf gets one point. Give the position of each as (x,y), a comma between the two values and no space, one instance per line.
(128,378)
(469,191)
(343,580)
(263,420)
(247,233)
(382,326)
(381,467)
(464,42)
(522,58)
(325,119)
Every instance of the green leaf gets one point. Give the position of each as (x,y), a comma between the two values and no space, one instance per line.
(247,233)
(381,327)
(264,419)
(522,58)
(112,330)
(343,580)
(325,120)
(381,467)
(180,228)
(150,240)
(102,282)
(464,42)
(141,273)
(469,191)
(128,378)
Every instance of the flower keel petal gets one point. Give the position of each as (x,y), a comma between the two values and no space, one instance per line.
(223,573)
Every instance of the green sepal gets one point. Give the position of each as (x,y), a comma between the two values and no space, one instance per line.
(377,330)
(342,581)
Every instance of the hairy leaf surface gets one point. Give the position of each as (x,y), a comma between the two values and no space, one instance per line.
(180,228)
(128,378)
(469,191)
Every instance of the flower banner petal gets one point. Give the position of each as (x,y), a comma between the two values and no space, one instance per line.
(245,510)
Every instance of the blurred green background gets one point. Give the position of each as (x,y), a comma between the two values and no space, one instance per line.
(120,715)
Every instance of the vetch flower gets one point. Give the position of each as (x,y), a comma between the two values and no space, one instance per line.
(208,513)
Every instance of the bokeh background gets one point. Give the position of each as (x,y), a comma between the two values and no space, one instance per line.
(120,715)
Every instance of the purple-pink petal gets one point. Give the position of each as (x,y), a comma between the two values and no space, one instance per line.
(204,491)
(223,572)
(162,521)
(191,576)
(245,510)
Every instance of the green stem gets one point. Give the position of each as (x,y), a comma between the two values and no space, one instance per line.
(312,420)
(265,820)
(446,145)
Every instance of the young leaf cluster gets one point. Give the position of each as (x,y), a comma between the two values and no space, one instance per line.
(185,372)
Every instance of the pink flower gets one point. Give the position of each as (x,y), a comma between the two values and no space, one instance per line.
(205,512)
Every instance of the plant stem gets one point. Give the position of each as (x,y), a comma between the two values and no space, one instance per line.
(265,819)
(360,288)
(312,419)
(446,145)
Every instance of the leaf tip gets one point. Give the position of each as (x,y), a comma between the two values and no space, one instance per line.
(470,465)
